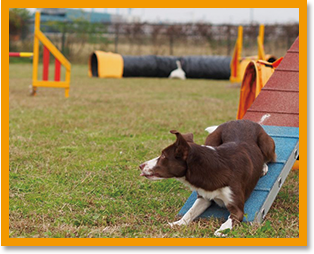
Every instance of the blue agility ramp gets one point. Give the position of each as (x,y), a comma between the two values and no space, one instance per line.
(261,199)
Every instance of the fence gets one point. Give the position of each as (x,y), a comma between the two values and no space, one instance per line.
(78,39)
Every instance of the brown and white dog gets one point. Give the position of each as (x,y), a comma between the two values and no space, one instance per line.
(225,170)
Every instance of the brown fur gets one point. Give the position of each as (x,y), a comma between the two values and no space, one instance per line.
(241,149)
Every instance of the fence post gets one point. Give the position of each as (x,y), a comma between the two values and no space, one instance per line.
(36,52)
(116,40)
(171,44)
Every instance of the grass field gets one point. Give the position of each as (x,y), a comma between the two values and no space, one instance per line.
(74,162)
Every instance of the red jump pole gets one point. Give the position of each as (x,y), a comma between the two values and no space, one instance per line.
(46,63)
(57,70)
(14,54)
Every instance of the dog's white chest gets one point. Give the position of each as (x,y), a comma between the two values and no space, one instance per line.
(222,194)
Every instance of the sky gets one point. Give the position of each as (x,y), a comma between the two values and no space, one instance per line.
(212,15)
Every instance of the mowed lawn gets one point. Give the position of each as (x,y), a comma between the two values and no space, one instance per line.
(74,162)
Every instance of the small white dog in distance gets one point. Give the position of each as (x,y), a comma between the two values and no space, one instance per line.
(178,73)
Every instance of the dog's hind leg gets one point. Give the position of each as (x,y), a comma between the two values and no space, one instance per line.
(265,169)
(267,146)
(199,206)
(214,137)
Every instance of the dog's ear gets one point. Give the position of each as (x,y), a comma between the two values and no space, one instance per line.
(188,137)
(182,147)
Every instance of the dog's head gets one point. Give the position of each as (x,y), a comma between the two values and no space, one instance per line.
(171,162)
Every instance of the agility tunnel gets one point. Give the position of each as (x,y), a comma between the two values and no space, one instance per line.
(276,108)
(256,75)
(110,65)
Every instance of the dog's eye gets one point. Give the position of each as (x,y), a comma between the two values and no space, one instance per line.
(162,156)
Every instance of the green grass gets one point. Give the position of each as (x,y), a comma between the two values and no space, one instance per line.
(74,162)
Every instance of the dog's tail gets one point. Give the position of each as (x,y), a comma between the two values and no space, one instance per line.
(267,146)
(211,129)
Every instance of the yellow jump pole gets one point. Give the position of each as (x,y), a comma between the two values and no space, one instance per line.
(26,54)
(236,58)
(260,43)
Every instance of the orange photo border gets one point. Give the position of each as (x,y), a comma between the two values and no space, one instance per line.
(301,241)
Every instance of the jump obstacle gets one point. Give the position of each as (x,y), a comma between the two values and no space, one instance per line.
(238,63)
(276,108)
(48,48)
(20,54)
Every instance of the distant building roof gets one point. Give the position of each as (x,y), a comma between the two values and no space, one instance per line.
(64,14)
(53,11)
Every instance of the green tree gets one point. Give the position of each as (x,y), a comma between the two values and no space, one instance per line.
(18,23)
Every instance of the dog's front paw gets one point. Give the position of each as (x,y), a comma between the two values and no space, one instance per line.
(220,233)
(177,223)
(224,228)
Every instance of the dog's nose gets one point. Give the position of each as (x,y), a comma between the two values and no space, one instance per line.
(142,166)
